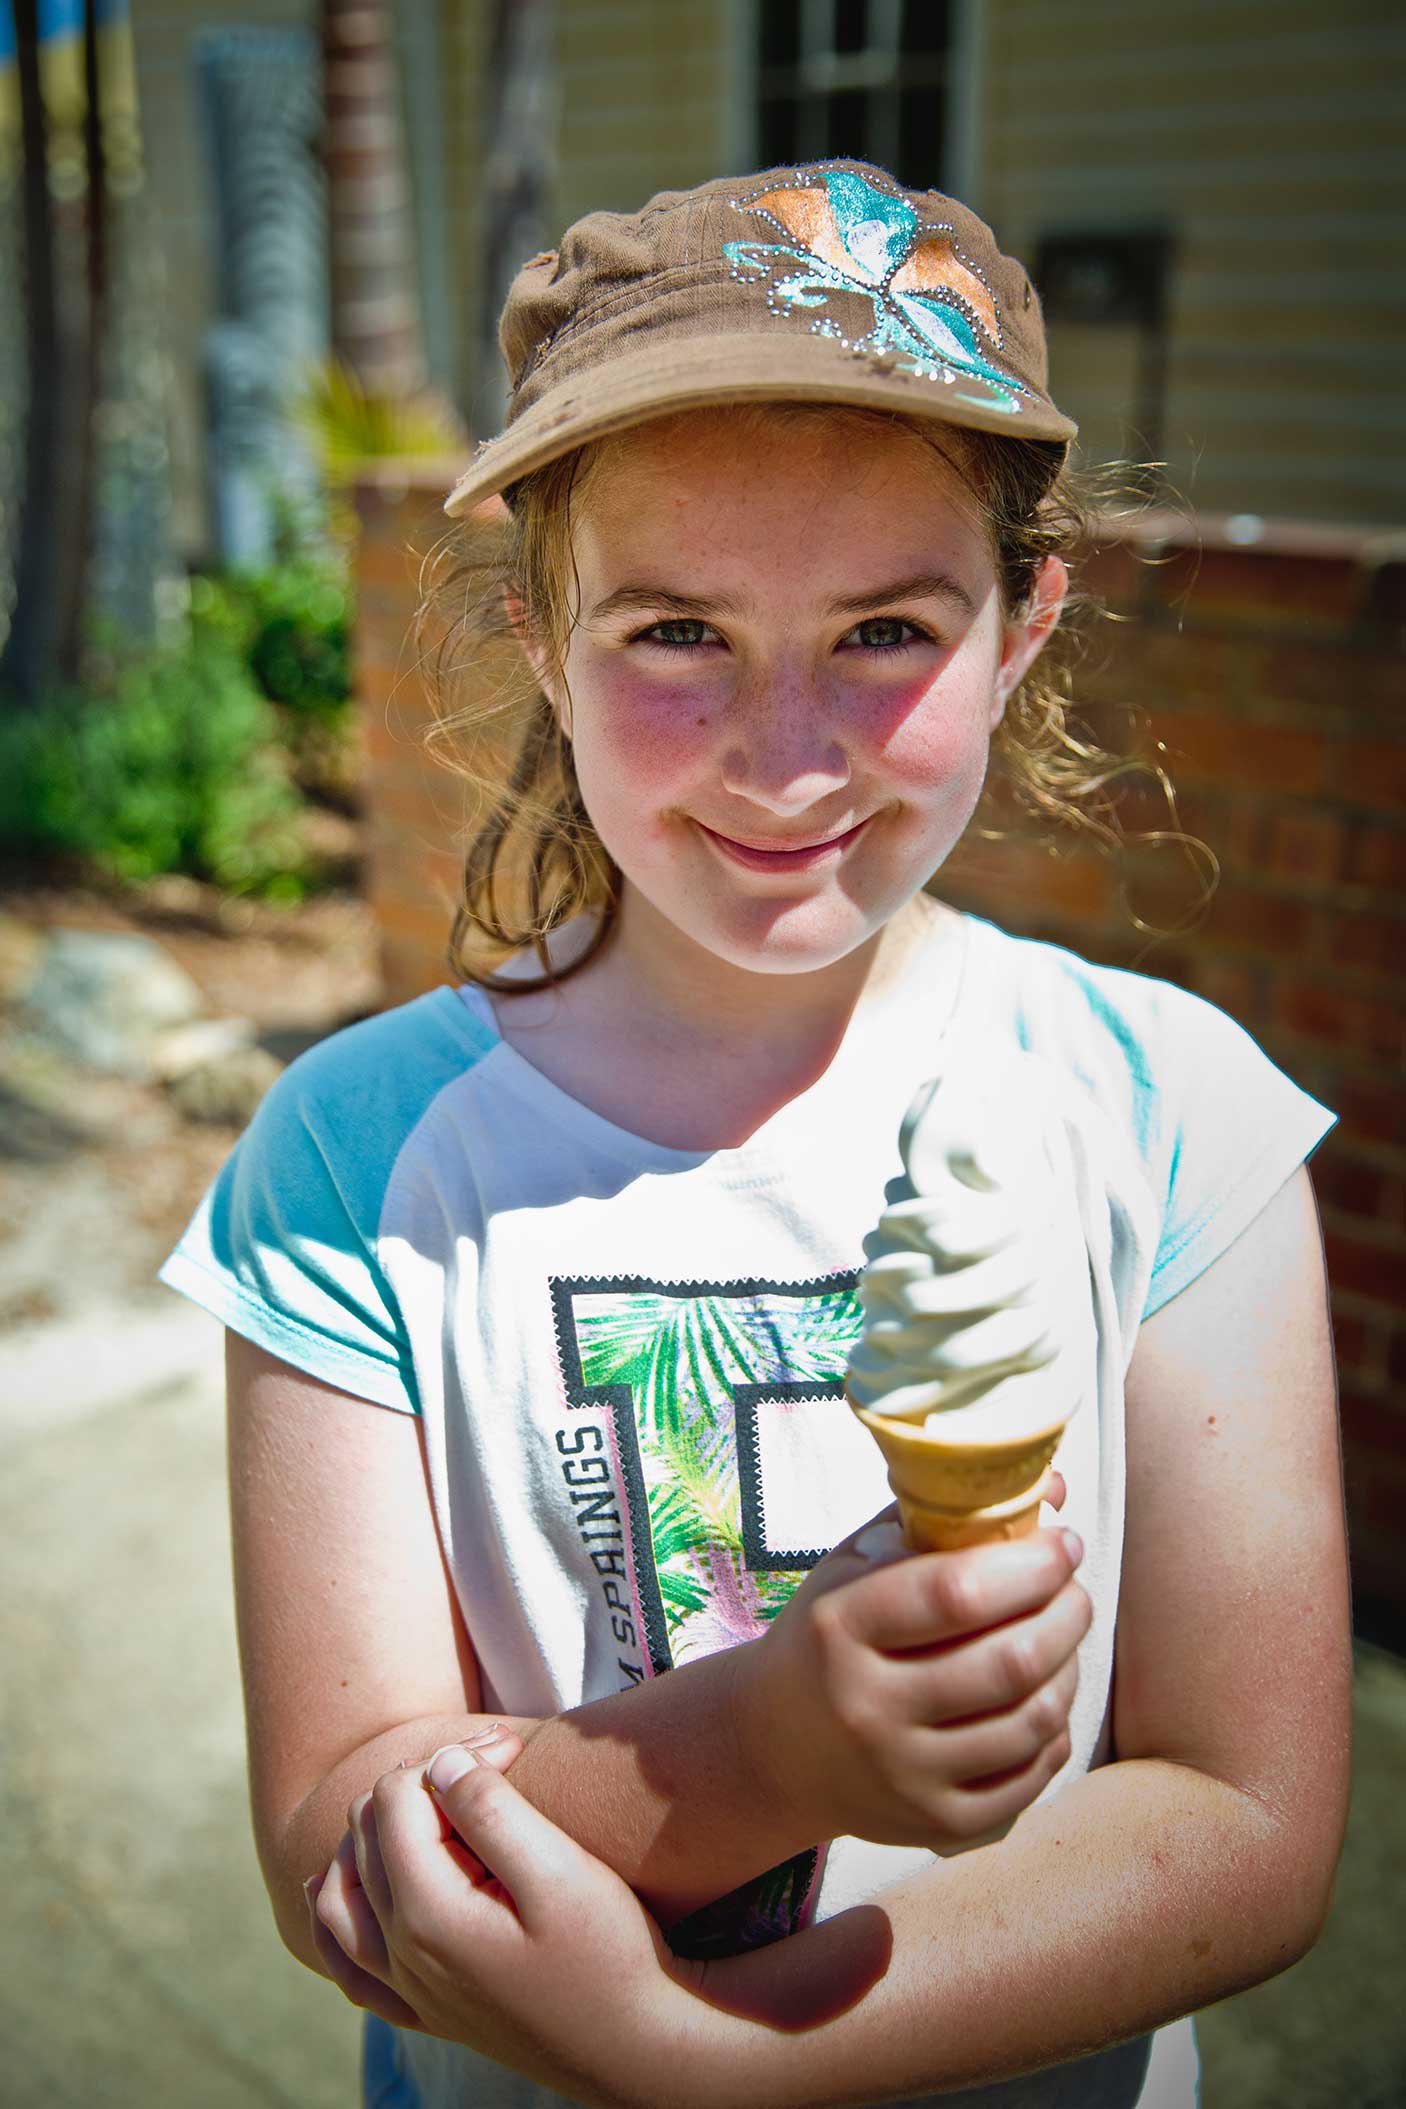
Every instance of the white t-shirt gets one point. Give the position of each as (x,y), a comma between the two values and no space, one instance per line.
(628,1358)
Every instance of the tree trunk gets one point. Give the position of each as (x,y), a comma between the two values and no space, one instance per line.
(65,275)
(89,336)
(375,307)
(30,648)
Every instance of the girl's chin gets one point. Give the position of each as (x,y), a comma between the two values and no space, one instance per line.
(769,938)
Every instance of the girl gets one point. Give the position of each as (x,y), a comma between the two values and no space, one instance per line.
(786,503)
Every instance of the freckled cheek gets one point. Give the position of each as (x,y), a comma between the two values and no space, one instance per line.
(645,736)
(925,739)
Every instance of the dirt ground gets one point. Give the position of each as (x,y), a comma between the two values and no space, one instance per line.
(100,1174)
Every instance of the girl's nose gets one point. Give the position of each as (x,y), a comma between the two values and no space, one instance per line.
(781,751)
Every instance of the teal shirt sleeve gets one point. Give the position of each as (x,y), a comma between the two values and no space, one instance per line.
(1234,1129)
(1217,1126)
(286,1246)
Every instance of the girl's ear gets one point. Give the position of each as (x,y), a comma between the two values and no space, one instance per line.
(543,672)
(1023,641)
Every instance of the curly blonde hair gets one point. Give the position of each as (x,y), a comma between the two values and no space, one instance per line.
(534,860)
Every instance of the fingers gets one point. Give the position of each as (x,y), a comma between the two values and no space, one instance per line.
(496,1745)
(536,1863)
(998,1744)
(350,1945)
(989,1672)
(370,1867)
(937,1597)
(344,1909)
(980,1810)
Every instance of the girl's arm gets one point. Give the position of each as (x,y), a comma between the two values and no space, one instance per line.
(355,1660)
(1201,1861)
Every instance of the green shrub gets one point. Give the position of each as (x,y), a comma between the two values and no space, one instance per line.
(291,627)
(175,765)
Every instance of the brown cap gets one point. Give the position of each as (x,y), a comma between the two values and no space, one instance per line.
(819,284)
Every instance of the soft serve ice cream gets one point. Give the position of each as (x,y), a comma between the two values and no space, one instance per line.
(966,1269)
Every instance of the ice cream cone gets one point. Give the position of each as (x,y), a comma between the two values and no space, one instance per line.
(952,1494)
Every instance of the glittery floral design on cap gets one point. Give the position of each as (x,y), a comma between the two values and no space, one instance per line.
(931,308)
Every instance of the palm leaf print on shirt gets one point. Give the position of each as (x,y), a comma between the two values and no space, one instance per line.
(703,1383)
(686,1356)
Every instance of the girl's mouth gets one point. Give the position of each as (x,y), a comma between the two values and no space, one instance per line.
(780,856)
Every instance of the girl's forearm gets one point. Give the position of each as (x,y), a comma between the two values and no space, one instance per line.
(653,1781)
(659,1782)
(1145,1891)
(304,1844)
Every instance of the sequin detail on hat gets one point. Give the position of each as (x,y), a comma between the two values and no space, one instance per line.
(931,307)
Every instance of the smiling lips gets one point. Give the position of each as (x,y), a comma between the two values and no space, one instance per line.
(776,858)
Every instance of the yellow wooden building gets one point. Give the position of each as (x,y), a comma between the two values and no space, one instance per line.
(1212,197)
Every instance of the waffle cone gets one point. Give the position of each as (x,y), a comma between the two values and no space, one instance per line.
(955,1494)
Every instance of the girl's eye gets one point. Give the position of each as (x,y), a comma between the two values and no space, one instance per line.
(888,633)
(681,634)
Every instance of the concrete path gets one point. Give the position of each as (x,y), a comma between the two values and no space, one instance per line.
(138,1960)
(138,1963)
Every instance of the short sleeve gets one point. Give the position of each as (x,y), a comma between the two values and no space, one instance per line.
(286,1246)
(1230,1129)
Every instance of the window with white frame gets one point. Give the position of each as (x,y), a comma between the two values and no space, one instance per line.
(866,79)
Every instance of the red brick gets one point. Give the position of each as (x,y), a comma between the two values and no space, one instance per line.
(1357,1025)
(1374,1267)
(1307,846)
(1257,920)
(1373,773)
(1371,1422)
(414,867)
(1354,1341)
(1376,1112)
(1351,1184)
(1231,751)
(1307,675)
(409,970)
(1229,822)
(1233,986)
(1379,857)
(1373,680)
(1376,1488)
(1166,887)
(410,807)
(1023,880)
(424,923)
(1116,573)
(1197,668)
(1374,943)
(1141,804)
(1261,586)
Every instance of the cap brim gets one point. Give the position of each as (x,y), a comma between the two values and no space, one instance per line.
(798,366)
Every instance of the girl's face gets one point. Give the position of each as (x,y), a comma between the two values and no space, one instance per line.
(789,661)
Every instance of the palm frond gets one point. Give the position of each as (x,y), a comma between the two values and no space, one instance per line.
(346,426)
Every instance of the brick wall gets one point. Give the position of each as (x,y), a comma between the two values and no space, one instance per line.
(1272,678)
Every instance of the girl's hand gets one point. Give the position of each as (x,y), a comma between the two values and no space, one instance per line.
(345,1930)
(920,1698)
(495,1929)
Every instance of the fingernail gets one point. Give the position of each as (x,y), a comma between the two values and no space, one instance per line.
(1074,1546)
(881,1542)
(493,1733)
(449,1765)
